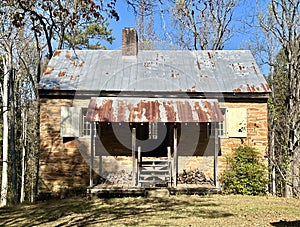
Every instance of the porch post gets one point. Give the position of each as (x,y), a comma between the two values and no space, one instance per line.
(139,161)
(216,153)
(175,156)
(92,154)
(169,166)
(133,140)
(100,156)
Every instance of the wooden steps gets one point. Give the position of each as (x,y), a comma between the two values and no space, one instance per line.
(154,172)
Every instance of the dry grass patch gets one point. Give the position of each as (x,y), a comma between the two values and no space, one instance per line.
(181,210)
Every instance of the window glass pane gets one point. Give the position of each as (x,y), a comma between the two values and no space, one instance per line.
(222,124)
(153,131)
(86,125)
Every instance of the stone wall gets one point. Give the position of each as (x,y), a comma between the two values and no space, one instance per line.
(257,137)
(63,162)
(257,132)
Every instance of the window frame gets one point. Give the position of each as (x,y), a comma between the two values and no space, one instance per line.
(153,131)
(223,127)
(85,126)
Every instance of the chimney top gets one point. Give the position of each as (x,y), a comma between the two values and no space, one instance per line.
(129,42)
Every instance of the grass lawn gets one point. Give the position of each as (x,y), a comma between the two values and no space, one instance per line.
(180,210)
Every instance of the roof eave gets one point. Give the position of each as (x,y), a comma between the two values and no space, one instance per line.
(86,94)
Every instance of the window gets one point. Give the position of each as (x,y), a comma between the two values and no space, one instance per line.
(74,123)
(153,131)
(86,125)
(234,123)
(70,121)
(222,124)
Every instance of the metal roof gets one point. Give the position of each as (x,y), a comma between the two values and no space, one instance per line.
(154,70)
(119,109)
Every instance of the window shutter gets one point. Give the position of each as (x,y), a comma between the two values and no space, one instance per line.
(70,121)
(236,122)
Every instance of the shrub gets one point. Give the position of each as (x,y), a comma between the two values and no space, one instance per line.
(246,175)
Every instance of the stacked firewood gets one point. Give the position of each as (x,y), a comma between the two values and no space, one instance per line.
(116,178)
(193,177)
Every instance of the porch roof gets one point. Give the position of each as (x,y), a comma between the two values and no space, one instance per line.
(125,109)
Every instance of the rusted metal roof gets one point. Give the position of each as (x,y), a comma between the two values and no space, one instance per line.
(154,70)
(119,109)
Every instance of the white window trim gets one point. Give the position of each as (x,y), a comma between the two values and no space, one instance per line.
(153,131)
(85,126)
(223,133)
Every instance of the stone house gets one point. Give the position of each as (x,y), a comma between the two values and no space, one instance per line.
(116,110)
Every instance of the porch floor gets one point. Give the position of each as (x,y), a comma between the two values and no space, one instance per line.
(105,190)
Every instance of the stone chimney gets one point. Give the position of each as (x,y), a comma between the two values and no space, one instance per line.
(129,42)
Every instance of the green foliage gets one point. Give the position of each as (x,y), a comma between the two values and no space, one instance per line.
(247,175)
(55,20)
(87,38)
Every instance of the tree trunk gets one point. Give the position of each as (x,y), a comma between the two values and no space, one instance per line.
(272,133)
(24,135)
(12,140)
(282,21)
(4,183)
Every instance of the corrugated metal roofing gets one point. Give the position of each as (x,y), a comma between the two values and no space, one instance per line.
(154,70)
(119,109)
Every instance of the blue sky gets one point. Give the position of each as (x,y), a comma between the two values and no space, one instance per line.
(240,39)
(127,19)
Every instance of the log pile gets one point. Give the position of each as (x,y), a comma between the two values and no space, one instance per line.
(122,177)
(113,178)
(193,177)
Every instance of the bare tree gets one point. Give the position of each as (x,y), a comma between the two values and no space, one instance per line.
(6,61)
(27,32)
(207,23)
(285,30)
(6,52)
(145,23)
(197,24)
(267,53)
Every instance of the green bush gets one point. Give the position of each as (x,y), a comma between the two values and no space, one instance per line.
(246,175)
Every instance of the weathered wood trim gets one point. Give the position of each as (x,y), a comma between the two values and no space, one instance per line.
(236,122)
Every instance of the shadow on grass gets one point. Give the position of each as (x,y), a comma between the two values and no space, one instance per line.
(286,223)
(116,211)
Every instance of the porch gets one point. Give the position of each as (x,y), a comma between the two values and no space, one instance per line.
(154,138)
(108,191)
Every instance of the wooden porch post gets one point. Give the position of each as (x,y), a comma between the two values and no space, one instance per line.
(133,140)
(100,156)
(216,153)
(100,164)
(169,166)
(92,154)
(175,156)
(139,161)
